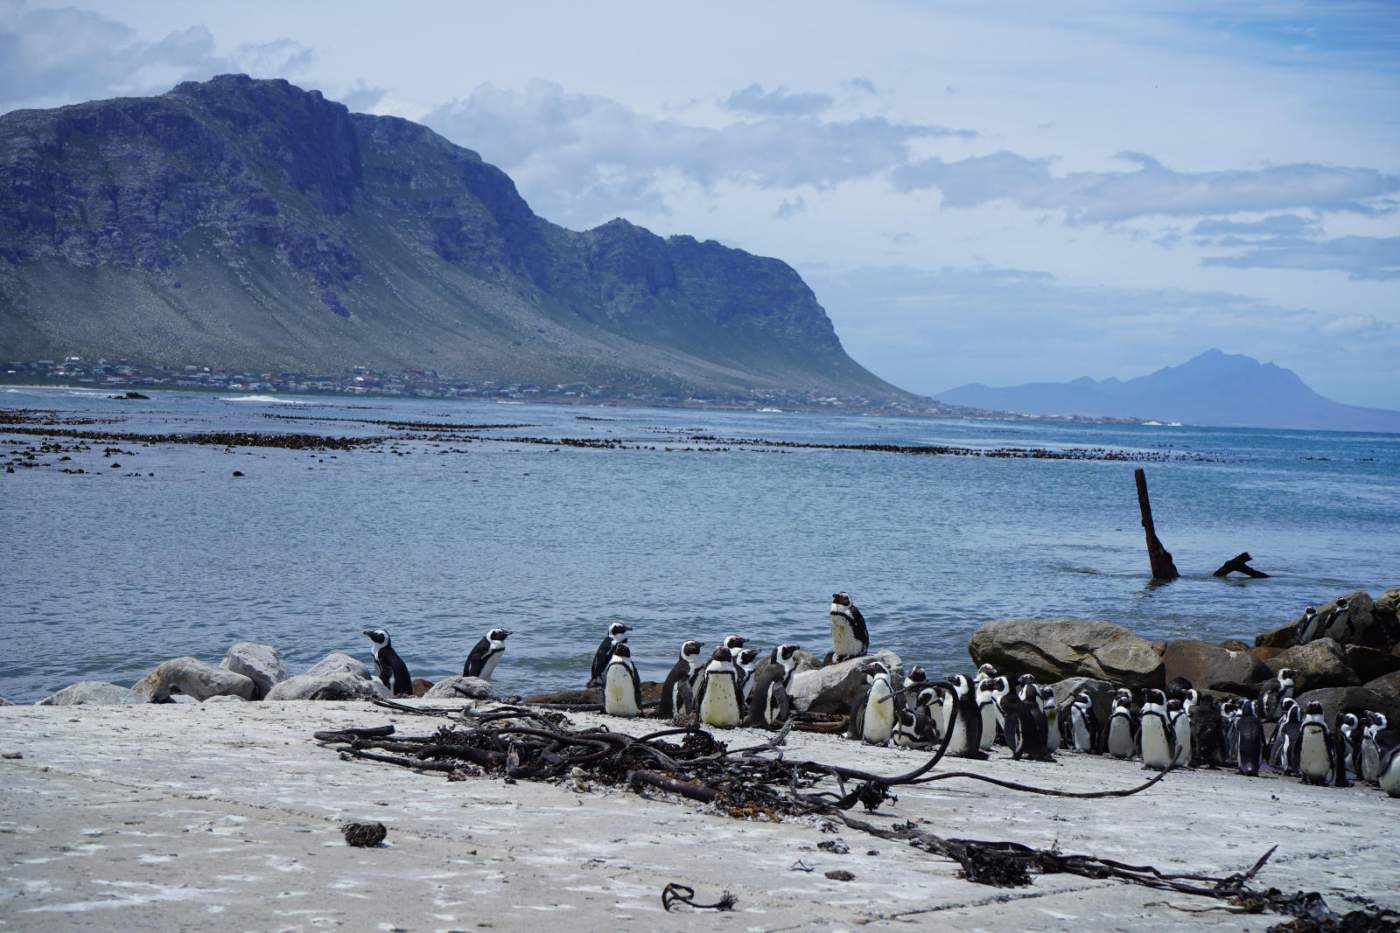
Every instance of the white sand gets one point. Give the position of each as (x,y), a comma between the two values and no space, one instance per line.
(227,816)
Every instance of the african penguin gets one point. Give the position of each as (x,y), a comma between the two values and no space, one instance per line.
(1122,743)
(1349,733)
(617,634)
(1338,626)
(1180,719)
(734,643)
(745,663)
(873,713)
(1156,734)
(1249,740)
(1207,732)
(388,665)
(985,672)
(1084,726)
(1286,736)
(486,654)
(1023,724)
(928,714)
(1389,776)
(1306,629)
(914,681)
(1315,747)
(1051,707)
(906,729)
(769,704)
(1371,746)
(622,688)
(849,636)
(676,697)
(965,719)
(717,700)
(987,710)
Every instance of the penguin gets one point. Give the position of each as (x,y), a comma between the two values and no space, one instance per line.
(1180,720)
(1389,775)
(873,713)
(1249,740)
(1207,732)
(1122,742)
(769,704)
(617,634)
(717,700)
(1349,736)
(622,688)
(1315,752)
(1282,687)
(987,710)
(1306,629)
(1156,734)
(1023,723)
(1341,752)
(1230,725)
(987,672)
(745,663)
(965,719)
(676,696)
(914,681)
(1338,626)
(388,665)
(1372,745)
(734,643)
(1084,724)
(928,711)
(1051,707)
(486,654)
(1284,753)
(906,729)
(849,636)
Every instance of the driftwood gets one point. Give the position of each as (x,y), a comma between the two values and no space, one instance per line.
(523,743)
(1163,568)
(1240,564)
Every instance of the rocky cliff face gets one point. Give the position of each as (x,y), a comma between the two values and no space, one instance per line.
(252,224)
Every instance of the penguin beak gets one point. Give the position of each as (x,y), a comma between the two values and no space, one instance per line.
(367,632)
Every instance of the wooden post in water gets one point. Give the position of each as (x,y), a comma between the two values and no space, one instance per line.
(1163,568)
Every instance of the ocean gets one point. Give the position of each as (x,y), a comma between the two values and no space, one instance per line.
(108,572)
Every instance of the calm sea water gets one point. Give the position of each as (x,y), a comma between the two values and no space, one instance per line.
(104,576)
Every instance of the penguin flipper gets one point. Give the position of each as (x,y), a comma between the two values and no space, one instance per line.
(1012,730)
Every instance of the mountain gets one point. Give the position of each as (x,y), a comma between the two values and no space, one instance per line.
(1214,388)
(254,225)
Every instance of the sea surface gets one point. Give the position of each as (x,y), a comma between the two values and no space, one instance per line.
(107,573)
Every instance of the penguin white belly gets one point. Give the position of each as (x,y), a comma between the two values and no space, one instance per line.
(619,697)
(1156,751)
(1120,737)
(1083,742)
(879,714)
(1052,729)
(989,725)
(843,638)
(489,667)
(1370,761)
(1389,777)
(1183,739)
(942,716)
(720,706)
(1314,761)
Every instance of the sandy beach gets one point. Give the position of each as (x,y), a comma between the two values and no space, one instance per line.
(182,815)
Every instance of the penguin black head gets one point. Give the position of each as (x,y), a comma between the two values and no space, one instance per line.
(1314,708)
(1025,679)
(1248,709)
(1156,697)
(378,636)
(916,675)
(906,718)
(722,655)
(841,599)
(620,650)
(617,630)
(959,684)
(873,669)
(735,642)
(1177,687)
(986,670)
(784,653)
(1285,675)
(1174,706)
(747,658)
(497,634)
(1310,611)
(692,649)
(1342,602)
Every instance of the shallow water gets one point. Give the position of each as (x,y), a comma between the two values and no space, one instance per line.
(105,575)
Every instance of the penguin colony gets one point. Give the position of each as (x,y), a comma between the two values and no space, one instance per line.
(1176,727)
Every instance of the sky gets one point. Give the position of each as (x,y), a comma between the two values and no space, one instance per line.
(994,193)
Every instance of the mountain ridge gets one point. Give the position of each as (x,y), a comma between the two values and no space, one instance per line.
(253,224)
(1213,388)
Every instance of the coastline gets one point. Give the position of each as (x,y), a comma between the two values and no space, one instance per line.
(176,815)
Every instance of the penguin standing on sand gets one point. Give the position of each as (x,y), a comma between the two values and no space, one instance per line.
(1084,724)
(1122,738)
(769,704)
(849,636)
(1157,736)
(676,696)
(745,663)
(915,680)
(1207,733)
(1349,734)
(1285,751)
(1389,777)
(1023,724)
(486,654)
(388,665)
(1315,751)
(928,714)
(1180,720)
(617,634)
(1375,738)
(873,713)
(622,688)
(965,719)
(1249,740)
(1051,707)
(987,710)
(717,700)
(906,729)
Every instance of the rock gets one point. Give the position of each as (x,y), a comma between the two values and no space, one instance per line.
(1370,663)
(337,662)
(1054,649)
(93,693)
(364,835)
(1389,685)
(1264,654)
(1387,604)
(1279,638)
(832,689)
(1064,689)
(1338,699)
(464,688)
(183,699)
(421,686)
(1234,644)
(259,663)
(588,696)
(193,678)
(226,698)
(1210,667)
(5,702)
(1319,663)
(336,685)
(1362,626)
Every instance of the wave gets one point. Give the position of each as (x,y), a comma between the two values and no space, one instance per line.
(263,399)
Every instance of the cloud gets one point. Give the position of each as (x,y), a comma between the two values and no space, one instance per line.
(361,98)
(50,57)
(776,103)
(1275,225)
(789,209)
(582,159)
(1362,258)
(860,85)
(1150,189)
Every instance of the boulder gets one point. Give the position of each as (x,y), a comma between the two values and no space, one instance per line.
(1362,626)
(259,663)
(421,686)
(1335,700)
(93,693)
(1053,649)
(460,688)
(588,696)
(338,662)
(1319,663)
(336,685)
(5,702)
(226,698)
(1064,689)
(832,689)
(1264,654)
(193,678)
(1389,685)
(1280,638)
(1370,663)
(1210,667)
(1234,644)
(1388,604)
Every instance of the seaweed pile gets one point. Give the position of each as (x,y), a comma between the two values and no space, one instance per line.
(520,743)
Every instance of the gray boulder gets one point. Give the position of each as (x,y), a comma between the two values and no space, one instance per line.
(193,678)
(93,693)
(5,702)
(1389,685)
(1363,625)
(336,685)
(226,698)
(259,663)
(1335,700)
(1211,667)
(1319,663)
(1068,687)
(338,662)
(1054,649)
(460,688)
(1370,663)
(832,689)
